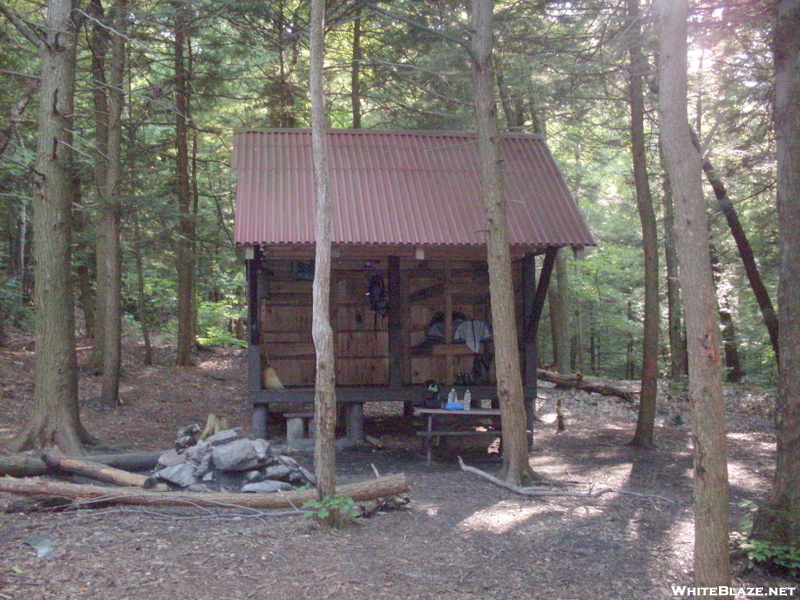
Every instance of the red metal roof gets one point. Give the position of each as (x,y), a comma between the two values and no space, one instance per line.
(398,187)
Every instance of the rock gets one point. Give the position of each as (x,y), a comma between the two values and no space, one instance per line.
(265,487)
(261,448)
(196,453)
(278,472)
(238,455)
(181,475)
(170,458)
(254,476)
(223,437)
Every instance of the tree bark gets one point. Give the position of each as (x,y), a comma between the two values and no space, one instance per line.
(380,487)
(677,344)
(558,300)
(99,49)
(110,208)
(355,71)
(55,419)
(711,511)
(98,471)
(778,521)
(745,250)
(597,386)
(645,423)
(516,467)
(322,332)
(26,465)
(185,257)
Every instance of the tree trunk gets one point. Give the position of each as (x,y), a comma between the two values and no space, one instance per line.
(55,420)
(677,344)
(99,49)
(745,250)
(381,487)
(778,521)
(733,365)
(645,424)
(558,300)
(325,396)
(516,466)
(109,226)
(355,72)
(185,257)
(711,512)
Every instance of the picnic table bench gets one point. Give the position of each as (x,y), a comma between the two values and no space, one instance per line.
(432,435)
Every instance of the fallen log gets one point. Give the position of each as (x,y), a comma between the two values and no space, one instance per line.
(598,386)
(28,465)
(84,494)
(98,471)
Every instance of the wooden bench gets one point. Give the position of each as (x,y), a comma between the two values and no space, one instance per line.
(432,437)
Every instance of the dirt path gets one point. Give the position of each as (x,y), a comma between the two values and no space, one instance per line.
(459,538)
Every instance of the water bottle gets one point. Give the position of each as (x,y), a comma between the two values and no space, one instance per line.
(452,397)
(467,400)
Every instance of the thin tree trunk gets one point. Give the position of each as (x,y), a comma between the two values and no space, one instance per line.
(355,73)
(325,396)
(558,300)
(677,343)
(645,423)
(137,253)
(516,467)
(733,365)
(99,47)
(55,419)
(778,521)
(745,250)
(186,334)
(711,512)
(110,210)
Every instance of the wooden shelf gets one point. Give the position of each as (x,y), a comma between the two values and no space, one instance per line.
(458,349)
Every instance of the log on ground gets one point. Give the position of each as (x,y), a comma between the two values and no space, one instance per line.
(390,485)
(598,386)
(28,465)
(98,471)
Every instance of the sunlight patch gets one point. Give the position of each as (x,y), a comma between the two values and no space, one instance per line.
(499,518)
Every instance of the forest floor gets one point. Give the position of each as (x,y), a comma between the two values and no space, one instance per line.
(459,538)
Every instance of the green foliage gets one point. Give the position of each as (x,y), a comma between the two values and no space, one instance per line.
(764,553)
(336,512)
(11,307)
(215,321)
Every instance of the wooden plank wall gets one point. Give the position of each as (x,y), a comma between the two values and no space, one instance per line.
(361,340)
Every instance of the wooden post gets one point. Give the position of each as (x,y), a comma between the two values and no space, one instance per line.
(396,321)
(529,357)
(260,419)
(448,322)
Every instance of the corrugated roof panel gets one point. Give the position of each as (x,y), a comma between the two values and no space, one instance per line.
(412,188)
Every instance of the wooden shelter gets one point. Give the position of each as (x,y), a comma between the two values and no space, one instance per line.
(409,281)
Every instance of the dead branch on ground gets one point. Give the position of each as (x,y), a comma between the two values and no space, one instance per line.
(541,491)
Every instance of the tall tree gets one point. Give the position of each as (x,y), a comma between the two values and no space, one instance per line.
(516,466)
(55,418)
(109,69)
(677,344)
(186,226)
(711,512)
(645,423)
(322,332)
(558,300)
(779,519)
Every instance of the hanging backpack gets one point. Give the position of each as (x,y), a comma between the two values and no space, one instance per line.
(376,296)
